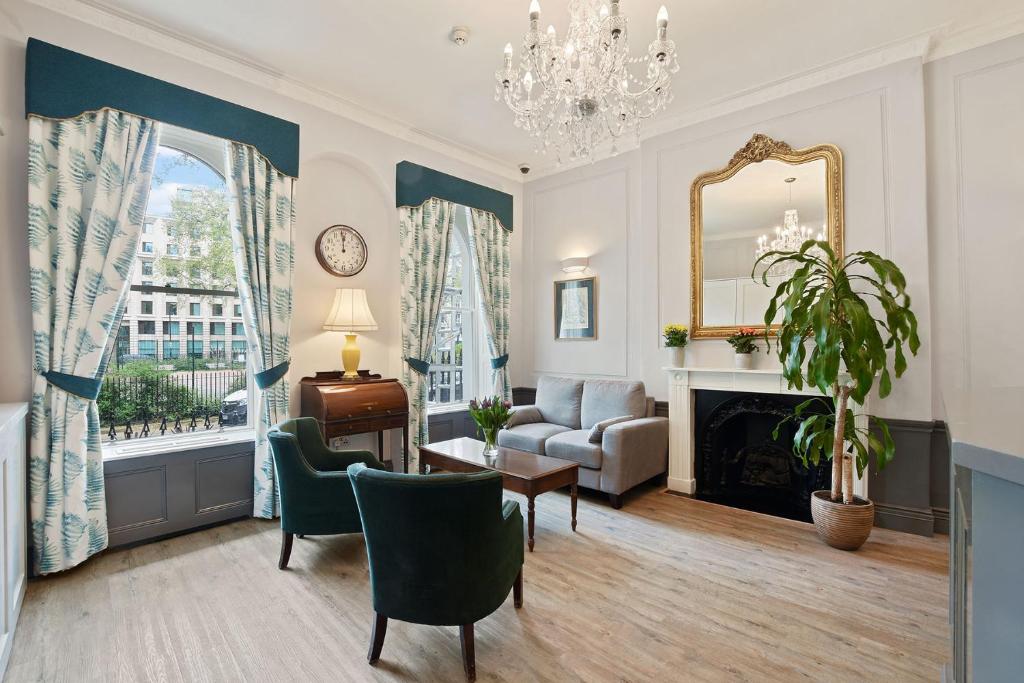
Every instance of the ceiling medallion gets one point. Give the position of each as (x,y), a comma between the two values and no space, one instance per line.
(576,94)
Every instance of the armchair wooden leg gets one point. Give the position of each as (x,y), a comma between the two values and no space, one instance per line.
(517,590)
(380,628)
(616,500)
(286,549)
(300,535)
(468,655)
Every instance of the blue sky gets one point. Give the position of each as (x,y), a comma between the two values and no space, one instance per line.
(170,174)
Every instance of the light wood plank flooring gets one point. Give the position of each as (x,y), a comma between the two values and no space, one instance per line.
(666,589)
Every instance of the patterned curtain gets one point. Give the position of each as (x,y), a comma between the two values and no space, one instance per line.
(492,262)
(262,213)
(423,234)
(88,184)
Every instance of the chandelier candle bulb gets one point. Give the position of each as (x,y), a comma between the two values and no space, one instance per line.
(534,10)
(663,17)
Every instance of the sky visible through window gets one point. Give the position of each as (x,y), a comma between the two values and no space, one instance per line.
(176,170)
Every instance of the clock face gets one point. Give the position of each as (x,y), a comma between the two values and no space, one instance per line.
(341,250)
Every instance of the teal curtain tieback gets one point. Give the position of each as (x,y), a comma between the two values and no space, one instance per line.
(420,366)
(499,362)
(269,378)
(83,387)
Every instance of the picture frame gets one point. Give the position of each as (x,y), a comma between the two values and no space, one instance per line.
(575,305)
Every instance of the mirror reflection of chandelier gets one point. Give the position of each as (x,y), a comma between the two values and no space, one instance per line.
(581,92)
(790,236)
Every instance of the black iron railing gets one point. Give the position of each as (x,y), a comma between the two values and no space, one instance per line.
(150,402)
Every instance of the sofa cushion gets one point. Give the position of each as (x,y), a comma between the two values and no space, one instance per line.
(597,431)
(523,415)
(529,437)
(575,446)
(603,399)
(558,400)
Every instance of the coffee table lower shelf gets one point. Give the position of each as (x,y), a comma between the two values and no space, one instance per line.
(522,472)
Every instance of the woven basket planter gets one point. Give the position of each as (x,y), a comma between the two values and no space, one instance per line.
(842,526)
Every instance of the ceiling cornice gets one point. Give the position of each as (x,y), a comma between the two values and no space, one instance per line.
(140,30)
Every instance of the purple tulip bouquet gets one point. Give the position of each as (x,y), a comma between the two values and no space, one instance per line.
(490,415)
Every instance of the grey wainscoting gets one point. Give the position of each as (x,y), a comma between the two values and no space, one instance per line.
(154,495)
(450,425)
(912,493)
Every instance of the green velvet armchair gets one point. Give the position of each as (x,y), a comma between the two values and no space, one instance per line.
(443,550)
(316,498)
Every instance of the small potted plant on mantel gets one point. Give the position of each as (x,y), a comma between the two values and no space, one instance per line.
(743,344)
(845,324)
(676,339)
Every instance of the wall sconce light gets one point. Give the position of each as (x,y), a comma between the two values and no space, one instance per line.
(576,264)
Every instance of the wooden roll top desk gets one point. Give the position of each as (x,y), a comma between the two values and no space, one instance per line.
(343,407)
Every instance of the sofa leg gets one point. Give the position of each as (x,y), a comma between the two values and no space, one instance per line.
(616,500)
(380,628)
(286,549)
(468,655)
(517,590)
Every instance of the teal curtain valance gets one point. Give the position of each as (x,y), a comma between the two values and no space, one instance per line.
(61,84)
(415,184)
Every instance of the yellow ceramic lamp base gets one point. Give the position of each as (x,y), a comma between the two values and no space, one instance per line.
(350,356)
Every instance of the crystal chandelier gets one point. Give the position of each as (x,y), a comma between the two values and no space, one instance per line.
(790,236)
(577,93)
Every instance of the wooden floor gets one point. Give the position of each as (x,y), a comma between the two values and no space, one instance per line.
(666,589)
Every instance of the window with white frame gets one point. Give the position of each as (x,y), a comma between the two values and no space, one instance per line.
(165,377)
(454,359)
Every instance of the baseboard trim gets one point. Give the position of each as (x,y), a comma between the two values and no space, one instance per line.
(899,518)
(941,516)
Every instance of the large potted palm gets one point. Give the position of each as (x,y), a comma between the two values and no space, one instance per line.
(845,323)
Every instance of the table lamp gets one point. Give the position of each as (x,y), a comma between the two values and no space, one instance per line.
(350,314)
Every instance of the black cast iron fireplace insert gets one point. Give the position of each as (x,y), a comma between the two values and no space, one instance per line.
(739,464)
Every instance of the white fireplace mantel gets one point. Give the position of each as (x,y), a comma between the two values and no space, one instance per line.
(682,382)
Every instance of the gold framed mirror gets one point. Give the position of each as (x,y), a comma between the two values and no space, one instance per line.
(769,195)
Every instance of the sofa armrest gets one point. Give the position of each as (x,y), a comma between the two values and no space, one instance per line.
(633,452)
(522,415)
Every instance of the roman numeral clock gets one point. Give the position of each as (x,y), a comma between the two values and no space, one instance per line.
(341,250)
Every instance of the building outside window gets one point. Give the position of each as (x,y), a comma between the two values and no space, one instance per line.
(187,212)
(238,329)
(238,351)
(238,311)
(453,358)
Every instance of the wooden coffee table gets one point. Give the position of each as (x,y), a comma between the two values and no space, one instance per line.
(526,473)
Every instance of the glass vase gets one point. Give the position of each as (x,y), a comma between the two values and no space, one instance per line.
(490,441)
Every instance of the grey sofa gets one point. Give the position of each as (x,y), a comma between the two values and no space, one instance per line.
(607,426)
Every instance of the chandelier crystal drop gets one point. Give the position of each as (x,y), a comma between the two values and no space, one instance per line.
(790,236)
(582,90)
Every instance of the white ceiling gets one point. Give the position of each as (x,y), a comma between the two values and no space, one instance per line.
(393,57)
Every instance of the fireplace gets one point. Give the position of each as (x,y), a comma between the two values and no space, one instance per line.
(738,463)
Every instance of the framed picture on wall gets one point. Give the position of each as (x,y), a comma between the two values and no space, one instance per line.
(576,309)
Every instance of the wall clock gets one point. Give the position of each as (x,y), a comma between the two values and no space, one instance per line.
(341,250)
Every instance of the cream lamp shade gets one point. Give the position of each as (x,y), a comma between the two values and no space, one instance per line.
(350,314)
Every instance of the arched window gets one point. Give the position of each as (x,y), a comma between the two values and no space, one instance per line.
(454,358)
(179,364)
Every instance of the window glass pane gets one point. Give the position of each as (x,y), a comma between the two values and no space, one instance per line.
(155,371)
(238,329)
(452,352)
(238,310)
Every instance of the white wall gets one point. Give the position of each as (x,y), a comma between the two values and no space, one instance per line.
(633,213)
(347,173)
(976,215)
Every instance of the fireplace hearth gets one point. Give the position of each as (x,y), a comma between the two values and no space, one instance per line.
(738,463)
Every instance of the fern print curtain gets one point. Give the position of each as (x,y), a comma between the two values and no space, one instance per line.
(262,214)
(492,263)
(423,235)
(88,184)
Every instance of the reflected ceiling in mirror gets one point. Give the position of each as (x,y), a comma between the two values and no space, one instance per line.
(769,197)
